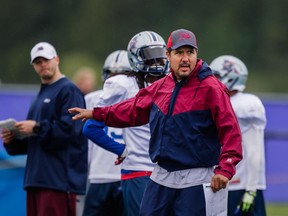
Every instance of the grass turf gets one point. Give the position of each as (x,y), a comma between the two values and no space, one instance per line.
(277,209)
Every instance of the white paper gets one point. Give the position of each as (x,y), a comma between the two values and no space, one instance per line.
(9,125)
(216,203)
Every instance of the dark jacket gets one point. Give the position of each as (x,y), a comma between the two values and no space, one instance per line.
(192,122)
(57,156)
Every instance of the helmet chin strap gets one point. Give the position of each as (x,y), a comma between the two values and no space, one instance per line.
(232,84)
(147,83)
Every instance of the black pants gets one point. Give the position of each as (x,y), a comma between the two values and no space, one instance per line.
(104,200)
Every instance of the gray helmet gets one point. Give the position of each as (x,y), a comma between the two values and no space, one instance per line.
(116,62)
(231,71)
(147,53)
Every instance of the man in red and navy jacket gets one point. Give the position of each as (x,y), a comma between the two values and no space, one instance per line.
(195,136)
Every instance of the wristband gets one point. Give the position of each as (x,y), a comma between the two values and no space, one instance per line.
(37,128)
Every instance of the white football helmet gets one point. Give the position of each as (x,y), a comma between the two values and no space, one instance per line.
(231,71)
(116,62)
(147,53)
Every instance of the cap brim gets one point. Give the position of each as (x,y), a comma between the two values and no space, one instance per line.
(43,55)
(176,46)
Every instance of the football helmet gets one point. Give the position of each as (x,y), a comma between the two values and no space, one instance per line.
(116,62)
(231,71)
(147,53)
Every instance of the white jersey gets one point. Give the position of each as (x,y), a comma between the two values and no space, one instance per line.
(250,172)
(116,89)
(101,161)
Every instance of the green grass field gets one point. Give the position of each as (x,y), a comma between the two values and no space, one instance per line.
(277,209)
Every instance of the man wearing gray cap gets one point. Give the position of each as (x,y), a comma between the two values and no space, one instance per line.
(56,168)
(195,137)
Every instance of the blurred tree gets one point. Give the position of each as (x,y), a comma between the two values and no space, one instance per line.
(85,32)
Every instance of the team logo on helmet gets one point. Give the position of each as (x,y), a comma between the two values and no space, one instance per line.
(231,71)
(229,67)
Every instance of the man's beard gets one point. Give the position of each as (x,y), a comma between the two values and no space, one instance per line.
(47,77)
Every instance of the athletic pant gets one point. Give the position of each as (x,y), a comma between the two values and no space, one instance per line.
(133,190)
(198,200)
(104,200)
(47,202)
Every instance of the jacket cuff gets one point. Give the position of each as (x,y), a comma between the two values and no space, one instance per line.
(224,173)
(96,113)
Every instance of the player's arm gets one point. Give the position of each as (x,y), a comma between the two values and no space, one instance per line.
(253,142)
(93,130)
(252,119)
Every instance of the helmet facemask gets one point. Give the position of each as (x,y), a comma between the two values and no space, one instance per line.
(147,53)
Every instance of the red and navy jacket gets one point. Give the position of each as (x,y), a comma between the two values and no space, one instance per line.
(192,122)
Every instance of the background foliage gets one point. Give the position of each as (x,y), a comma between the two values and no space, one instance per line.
(84,32)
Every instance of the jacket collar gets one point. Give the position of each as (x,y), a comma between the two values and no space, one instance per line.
(204,71)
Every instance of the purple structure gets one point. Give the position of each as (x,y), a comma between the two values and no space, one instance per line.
(276,141)
(15,104)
